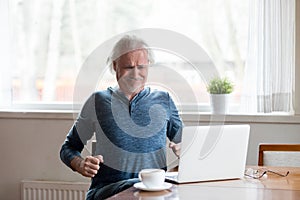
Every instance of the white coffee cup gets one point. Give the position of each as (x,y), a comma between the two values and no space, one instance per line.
(152,178)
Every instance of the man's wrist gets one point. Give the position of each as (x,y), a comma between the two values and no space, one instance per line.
(76,162)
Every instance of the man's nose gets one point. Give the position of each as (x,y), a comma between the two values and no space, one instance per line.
(135,71)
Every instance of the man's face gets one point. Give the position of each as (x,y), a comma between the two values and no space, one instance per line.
(132,71)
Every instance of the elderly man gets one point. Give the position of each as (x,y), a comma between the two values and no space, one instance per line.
(130,121)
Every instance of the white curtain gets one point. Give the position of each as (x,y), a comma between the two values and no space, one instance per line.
(269,72)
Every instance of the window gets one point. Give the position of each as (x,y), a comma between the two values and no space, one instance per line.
(51,40)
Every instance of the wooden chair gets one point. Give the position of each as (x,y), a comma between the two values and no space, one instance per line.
(279,155)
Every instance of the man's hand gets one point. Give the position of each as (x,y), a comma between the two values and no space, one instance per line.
(87,167)
(176,148)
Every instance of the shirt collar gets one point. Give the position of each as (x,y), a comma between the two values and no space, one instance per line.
(116,91)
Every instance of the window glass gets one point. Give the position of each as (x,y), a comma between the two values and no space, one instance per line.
(52,39)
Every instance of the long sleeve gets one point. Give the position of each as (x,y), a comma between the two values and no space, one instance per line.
(72,147)
(174,129)
(82,130)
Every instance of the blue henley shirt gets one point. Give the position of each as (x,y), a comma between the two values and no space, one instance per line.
(131,135)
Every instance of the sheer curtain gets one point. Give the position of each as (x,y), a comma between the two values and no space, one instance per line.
(269,72)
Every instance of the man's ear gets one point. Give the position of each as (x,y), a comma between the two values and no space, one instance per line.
(114,66)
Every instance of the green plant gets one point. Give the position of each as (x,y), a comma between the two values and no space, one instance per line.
(220,86)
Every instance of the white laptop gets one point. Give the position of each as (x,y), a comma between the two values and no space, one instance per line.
(211,153)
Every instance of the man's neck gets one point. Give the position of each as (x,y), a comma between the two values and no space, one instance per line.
(130,95)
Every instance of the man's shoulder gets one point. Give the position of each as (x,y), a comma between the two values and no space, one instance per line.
(102,93)
(158,93)
(156,96)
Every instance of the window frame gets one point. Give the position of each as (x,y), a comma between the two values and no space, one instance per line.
(70,108)
(297,59)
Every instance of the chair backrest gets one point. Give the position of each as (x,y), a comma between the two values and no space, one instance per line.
(279,155)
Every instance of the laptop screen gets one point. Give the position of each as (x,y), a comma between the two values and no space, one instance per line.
(213,152)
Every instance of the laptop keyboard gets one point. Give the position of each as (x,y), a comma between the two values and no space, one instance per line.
(172,176)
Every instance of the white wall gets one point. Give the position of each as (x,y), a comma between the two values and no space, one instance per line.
(270,133)
(30,145)
(30,150)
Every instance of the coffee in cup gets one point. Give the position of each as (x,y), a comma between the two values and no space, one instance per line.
(152,178)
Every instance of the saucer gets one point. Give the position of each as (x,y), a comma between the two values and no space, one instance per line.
(141,186)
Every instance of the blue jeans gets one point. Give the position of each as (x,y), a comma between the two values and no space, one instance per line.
(110,190)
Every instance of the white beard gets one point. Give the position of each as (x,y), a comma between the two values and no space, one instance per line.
(131,85)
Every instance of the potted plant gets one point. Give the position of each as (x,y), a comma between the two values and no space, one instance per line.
(219,89)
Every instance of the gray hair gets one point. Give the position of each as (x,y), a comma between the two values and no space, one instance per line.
(127,44)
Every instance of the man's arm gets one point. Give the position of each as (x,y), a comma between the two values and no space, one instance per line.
(70,154)
(175,125)
(81,131)
(174,130)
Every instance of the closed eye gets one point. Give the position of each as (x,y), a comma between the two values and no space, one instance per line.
(128,67)
(138,67)
(142,66)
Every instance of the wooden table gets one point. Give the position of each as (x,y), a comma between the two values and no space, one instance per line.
(268,187)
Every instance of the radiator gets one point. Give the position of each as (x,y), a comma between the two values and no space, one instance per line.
(50,190)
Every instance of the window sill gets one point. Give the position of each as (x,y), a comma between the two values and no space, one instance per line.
(38,114)
(243,118)
(187,116)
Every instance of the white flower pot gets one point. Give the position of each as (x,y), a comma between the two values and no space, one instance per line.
(219,103)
